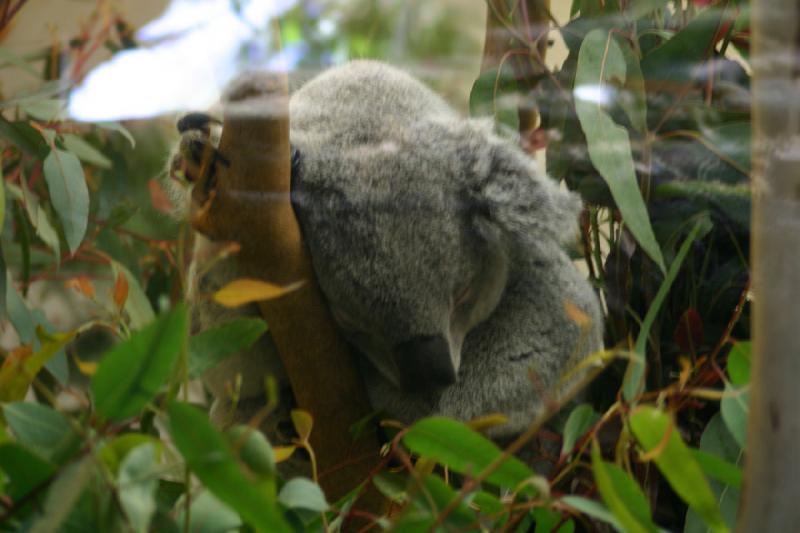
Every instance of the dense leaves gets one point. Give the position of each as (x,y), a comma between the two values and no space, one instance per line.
(647,118)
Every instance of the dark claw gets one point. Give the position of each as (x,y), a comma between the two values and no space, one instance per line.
(296,158)
(196,121)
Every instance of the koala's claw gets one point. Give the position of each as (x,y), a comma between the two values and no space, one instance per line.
(296,156)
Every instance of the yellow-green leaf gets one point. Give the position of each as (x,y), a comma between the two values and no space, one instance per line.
(622,495)
(243,291)
(658,436)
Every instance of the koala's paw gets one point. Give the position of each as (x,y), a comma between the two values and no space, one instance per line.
(196,159)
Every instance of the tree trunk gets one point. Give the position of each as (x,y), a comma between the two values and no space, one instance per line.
(772,471)
(251,205)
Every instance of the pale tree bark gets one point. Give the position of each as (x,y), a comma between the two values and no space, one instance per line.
(772,473)
(250,203)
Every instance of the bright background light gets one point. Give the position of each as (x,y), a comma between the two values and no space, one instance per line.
(188,55)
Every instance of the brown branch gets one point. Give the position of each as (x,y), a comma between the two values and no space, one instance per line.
(251,204)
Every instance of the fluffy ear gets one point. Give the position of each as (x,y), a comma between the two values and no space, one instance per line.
(521,200)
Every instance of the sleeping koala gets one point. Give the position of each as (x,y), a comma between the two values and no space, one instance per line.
(437,245)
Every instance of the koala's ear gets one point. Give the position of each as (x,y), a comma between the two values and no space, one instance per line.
(520,199)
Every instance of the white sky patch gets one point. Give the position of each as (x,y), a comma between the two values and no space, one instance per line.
(598,94)
(189,54)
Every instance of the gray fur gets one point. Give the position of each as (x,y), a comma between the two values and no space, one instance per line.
(407,208)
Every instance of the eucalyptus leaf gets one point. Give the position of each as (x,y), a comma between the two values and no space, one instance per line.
(46,109)
(23,469)
(622,495)
(63,495)
(580,420)
(718,443)
(657,435)
(138,480)
(209,457)
(134,371)
(209,515)
(594,509)
(302,493)
(119,128)
(674,61)
(735,407)
(85,151)
(463,450)
(41,428)
(633,383)
(495,94)
(209,347)
(600,62)
(68,194)
(137,304)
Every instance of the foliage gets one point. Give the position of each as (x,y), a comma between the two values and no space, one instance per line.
(648,118)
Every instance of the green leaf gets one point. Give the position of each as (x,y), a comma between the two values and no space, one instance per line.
(41,428)
(717,442)
(732,140)
(622,495)
(137,481)
(2,210)
(580,420)
(656,433)
(63,495)
(134,371)
(209,457)
(634,98)
(85,151)
(46,109)
(24,137)
(18,370)
(138,307)
(68,194)
(674,61)
(253,449)
(48,234)
(592,508)
(550,521)
(211,346)
(119,128)
(24,469)
(495,94)
(302,493)
(639,8)
(435,495)
(3,283)
(735,407)
(634,376)
(487,503)
(114,452)
(732,200)
(718,469)
(738,366)
(209,515)
(7,57)
(600,62)
(463,450)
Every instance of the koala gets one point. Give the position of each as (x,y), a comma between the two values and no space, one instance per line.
(437,244)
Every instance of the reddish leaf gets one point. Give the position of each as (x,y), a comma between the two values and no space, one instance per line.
(120,293)
(689,332)
(81,284)
(160,199)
